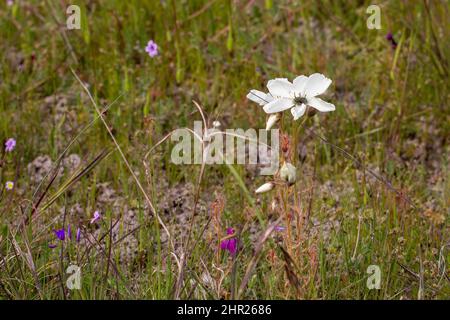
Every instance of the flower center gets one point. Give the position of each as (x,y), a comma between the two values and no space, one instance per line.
(299,100)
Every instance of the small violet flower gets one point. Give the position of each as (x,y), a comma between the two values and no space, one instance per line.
(78,235)
(390,38)
(60,234)
(9,3)
(10,144)
(97,216)
(9,185)
(151,49)
(229,244)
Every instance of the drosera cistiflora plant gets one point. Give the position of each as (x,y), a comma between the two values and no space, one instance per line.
(296,97)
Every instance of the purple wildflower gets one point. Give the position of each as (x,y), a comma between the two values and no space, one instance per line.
(279,228)
(60,234)
(151,49)
(10,144)
(229,244)
(390,38)
(9,3)
(97,216)
(78,236)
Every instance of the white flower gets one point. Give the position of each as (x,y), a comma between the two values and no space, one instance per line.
(265,187)
(302,92)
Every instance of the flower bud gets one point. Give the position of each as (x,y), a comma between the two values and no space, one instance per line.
(288,173)
(273,118)
(265,187)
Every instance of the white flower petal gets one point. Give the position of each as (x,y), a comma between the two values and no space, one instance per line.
(317,84)
(321,105)
(278,105)
(299,84)
(298,111)
(269,98)
(259,97)
(281,87)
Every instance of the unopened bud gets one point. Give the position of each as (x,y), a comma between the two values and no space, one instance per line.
(273,118)
(265,187)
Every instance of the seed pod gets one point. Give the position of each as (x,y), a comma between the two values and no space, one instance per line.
(288,173)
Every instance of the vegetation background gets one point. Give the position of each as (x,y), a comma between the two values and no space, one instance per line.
(375,191)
